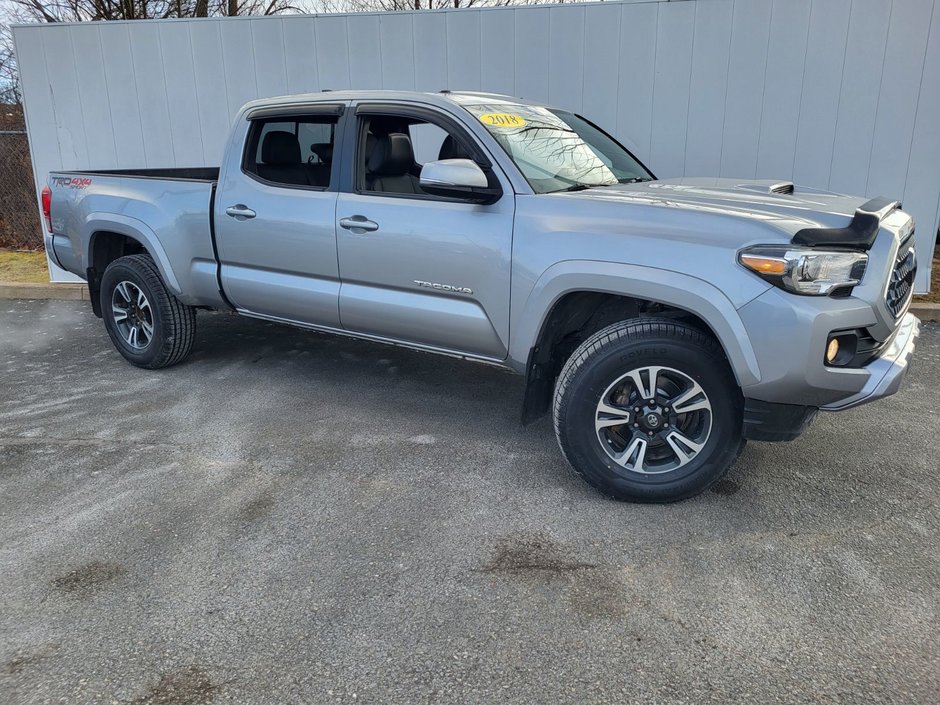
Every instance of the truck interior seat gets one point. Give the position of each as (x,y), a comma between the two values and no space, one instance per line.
(452,149)
(318,172)
(390,163)
(323,151)
(371,139)
(280,159)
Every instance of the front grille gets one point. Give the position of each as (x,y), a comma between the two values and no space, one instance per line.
(901,284)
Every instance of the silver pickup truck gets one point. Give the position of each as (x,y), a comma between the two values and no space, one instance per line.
(663,322)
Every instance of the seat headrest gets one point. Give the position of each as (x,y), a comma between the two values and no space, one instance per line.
(323,150)
(280,147)
(452,149)
(392,155)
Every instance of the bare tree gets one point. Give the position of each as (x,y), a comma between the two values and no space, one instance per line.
(410,5)
(9,85)
(91,10)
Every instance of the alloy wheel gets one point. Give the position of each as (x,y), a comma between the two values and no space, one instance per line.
(653,420)
(133,316)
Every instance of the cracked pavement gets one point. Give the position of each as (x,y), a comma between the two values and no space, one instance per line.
(290,517)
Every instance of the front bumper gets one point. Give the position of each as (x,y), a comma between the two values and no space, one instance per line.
(789,335)
(887,370)
(776,421)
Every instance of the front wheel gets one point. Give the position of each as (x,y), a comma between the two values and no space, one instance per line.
(648,411)
(146,323)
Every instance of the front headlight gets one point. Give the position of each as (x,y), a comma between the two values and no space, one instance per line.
(805,270)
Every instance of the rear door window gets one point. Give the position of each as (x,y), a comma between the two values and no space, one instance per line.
(296,152)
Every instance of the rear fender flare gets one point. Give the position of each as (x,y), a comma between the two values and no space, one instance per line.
(648,283)
(138,230)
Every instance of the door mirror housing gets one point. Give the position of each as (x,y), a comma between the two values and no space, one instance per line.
(458,178)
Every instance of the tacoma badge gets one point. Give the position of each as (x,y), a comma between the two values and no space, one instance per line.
(444,287)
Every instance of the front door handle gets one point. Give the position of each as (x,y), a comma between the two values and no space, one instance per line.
(240,212)
(358,223)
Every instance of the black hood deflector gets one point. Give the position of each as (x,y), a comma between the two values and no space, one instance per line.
(858,234)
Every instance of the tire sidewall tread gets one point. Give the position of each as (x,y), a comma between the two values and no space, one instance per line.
(647,341)
(174,322)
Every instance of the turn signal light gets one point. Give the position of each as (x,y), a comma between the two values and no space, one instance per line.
(764,265)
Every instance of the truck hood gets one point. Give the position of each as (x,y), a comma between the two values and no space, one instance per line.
(771,202)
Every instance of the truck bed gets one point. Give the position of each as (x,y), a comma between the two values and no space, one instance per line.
(167,212)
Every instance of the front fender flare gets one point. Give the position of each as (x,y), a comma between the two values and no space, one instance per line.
(138,230)
(649,283)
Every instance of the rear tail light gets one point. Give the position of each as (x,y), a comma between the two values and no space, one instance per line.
(47,206)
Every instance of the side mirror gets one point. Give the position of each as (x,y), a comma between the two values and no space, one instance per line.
(458,178)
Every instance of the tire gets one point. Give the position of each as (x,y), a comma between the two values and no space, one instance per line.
(165,327)
(646,459)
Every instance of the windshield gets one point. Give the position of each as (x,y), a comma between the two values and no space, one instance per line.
(557,150)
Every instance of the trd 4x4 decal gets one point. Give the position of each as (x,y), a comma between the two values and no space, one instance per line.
(72,182)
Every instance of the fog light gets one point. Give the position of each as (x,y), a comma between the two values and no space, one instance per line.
(841,348)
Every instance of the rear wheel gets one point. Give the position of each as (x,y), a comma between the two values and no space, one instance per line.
(648,411)
(146,323)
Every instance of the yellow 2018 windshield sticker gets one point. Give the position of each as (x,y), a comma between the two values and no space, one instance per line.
(502,120)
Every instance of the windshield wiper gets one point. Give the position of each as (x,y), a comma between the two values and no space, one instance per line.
(584,187)
(553,128)
(634,180)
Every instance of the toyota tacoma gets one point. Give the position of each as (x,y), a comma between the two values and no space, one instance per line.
(662,322)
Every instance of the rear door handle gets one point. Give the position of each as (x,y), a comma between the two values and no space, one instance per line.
(358,223)
(240,212)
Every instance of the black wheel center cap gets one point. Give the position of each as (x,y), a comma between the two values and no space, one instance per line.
(651,419)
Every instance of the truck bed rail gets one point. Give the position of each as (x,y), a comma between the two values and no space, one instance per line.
(199,173)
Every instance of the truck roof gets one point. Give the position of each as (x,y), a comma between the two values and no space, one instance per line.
(441,98)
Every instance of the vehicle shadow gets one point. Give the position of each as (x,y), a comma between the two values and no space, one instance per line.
(389,379)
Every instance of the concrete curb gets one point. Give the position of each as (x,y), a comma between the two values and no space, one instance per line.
(79,292)
(926,312)
(65,292)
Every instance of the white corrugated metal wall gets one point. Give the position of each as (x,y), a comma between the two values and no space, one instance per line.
(838,94)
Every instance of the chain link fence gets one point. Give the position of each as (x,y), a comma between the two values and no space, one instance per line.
(19,212)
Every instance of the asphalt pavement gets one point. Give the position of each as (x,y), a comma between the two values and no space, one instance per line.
(291,517)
